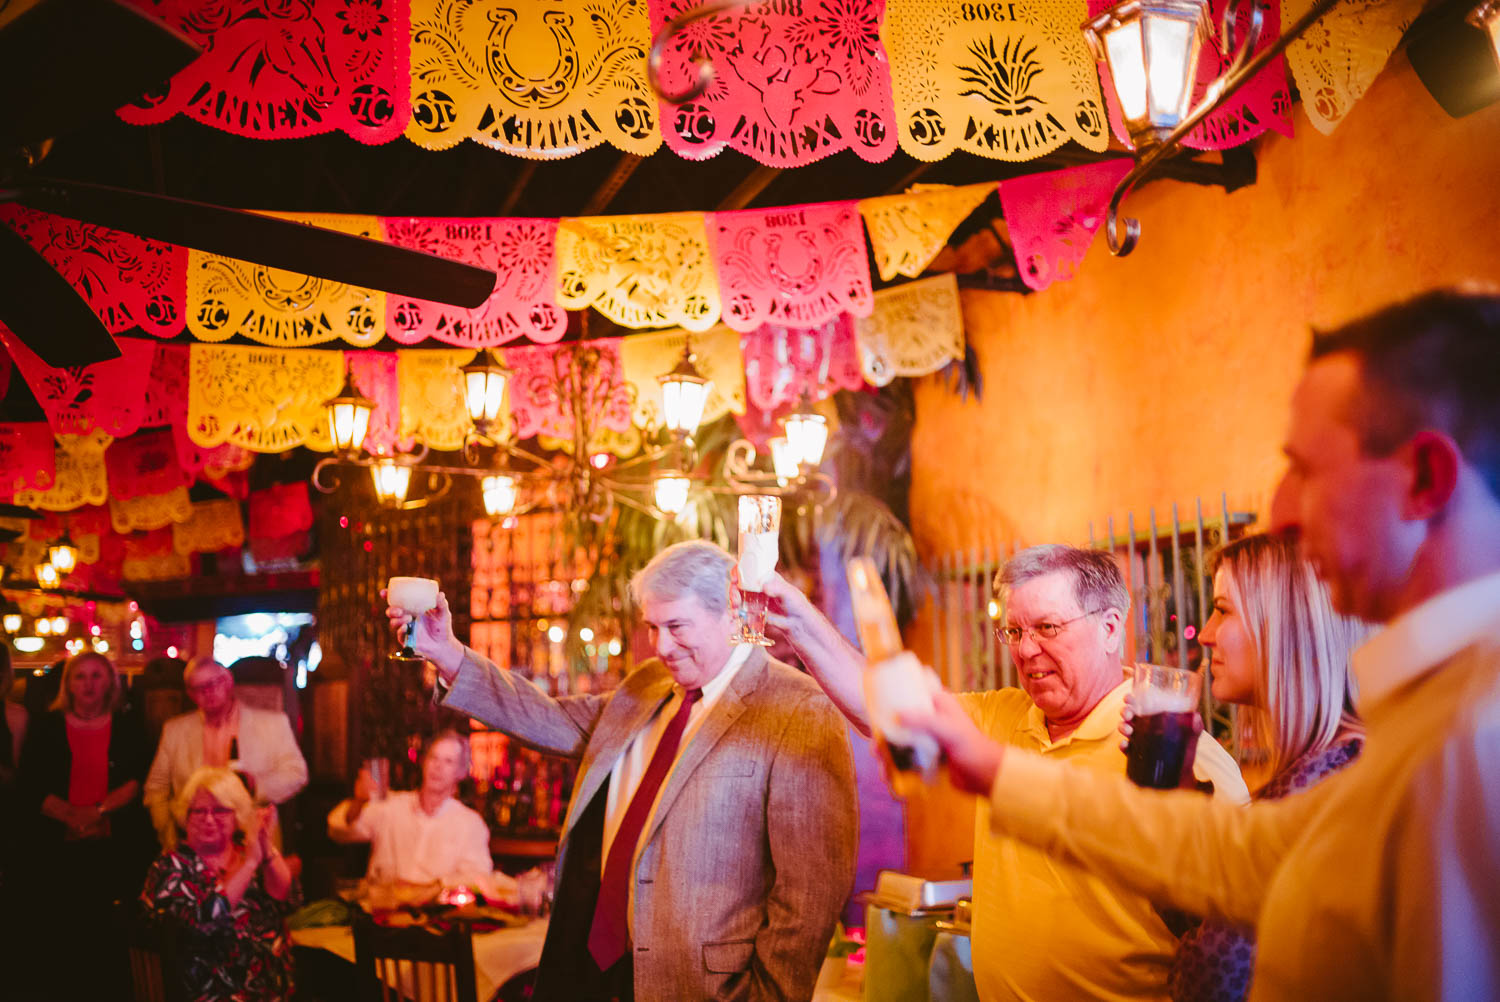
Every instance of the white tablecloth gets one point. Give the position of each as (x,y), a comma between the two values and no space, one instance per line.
(498,956)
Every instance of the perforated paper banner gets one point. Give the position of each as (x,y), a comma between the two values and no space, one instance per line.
(78,475)
(548,379)
(129,281)
(110,396)
(1339,57)
(716,354)
(375,376)
(800,265)
(260,399)
(794,82)
(521,252)
(916,329)
(639,271)
(280,510)
(26,458)
(281,308)
(150,511)
(150,556)
(145,463)
(287,68)
(541,79)
(432,396)
(907,231)
(1263,103)
(782,364)
(211,526)
(167,404)
(1002,79)
(1053,216)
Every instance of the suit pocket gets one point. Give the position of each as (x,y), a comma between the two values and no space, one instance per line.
(728,957)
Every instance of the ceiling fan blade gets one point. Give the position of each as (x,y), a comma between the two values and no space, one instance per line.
(45,312)
(276,243)
(76,59)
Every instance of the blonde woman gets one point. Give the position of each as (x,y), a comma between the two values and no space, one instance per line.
(226,891)
(1275,647)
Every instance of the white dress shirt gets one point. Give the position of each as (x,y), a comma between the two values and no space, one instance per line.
(637,755)
(451,845)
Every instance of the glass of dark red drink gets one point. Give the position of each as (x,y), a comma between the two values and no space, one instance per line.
(1165,701)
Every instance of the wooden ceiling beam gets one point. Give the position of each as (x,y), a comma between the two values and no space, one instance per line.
(749,188)
(513,196)
(611,185)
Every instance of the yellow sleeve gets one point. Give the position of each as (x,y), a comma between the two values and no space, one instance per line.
(1177,847)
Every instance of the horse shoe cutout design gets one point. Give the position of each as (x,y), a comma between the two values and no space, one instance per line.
(535,93)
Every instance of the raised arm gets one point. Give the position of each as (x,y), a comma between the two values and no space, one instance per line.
(812,825)
(836,664)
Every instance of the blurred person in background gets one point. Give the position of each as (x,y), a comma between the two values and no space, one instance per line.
(223,731)
(423,836)
(224,893)
(80,775)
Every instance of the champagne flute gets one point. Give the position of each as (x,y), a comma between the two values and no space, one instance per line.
(415,596)
(759,540)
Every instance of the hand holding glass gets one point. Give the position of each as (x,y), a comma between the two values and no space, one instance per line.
(759,540)
(416,596)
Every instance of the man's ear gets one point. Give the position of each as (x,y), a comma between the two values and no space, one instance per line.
(1113,621)
(1434,461)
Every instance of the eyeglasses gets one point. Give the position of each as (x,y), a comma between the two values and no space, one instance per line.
(217,813)
(1041,631)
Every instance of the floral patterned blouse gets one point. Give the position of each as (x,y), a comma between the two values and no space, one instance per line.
(229,953)
(1215,958)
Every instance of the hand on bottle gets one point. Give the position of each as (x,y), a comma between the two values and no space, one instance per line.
(973,757)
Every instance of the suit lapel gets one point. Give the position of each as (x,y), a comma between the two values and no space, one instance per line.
(638,698)
(725,712)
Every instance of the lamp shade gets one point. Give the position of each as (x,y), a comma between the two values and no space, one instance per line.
(807,432)
(47,576)
(63,555)
(392,479)
(499,494)
(784,460)
(348,419)
(1151,48)
(484,390)
(59,626)
(671,491)
(11,621)
(684,391)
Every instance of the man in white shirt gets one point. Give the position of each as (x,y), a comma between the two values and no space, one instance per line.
(1382,882)
(223,731)
(425,835)
(710,841)
(1042,931)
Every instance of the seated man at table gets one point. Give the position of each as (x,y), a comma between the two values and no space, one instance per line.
(425,835)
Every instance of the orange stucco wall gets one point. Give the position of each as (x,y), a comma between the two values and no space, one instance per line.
(1163,376)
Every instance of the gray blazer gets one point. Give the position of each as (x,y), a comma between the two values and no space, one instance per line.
(743,869)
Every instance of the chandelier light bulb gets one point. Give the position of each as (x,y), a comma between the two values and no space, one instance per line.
(671,491)
(348,419)
(392,479)
(807,433)
(63,555)
(499,492)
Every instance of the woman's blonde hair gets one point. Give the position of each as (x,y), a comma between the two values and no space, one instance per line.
(64,699)
(1304,693)
(225,787)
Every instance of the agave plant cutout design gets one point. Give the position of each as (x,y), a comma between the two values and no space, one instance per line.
(1003,77)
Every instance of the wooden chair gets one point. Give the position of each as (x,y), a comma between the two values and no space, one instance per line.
(414,963)
(154,975)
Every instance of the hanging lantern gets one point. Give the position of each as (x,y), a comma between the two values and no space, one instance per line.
(42,627)
(349,419)
(47,576)
(59,626)
(671,491)
(63,555)
(1151,48)
(499,494)
(784,460)
(484,391)
(684,391)
(11,621)
(807,432)
(392,479)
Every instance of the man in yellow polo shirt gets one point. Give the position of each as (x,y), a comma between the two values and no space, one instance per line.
(1042,930)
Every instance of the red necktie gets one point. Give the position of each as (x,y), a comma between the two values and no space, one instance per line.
(608,935)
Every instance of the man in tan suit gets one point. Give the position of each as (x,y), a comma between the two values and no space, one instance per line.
(711,838)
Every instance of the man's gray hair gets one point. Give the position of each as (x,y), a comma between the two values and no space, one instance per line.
(1097,584)
(449,734)
(696,567)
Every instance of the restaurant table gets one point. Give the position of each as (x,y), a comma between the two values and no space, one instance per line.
(499,955)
